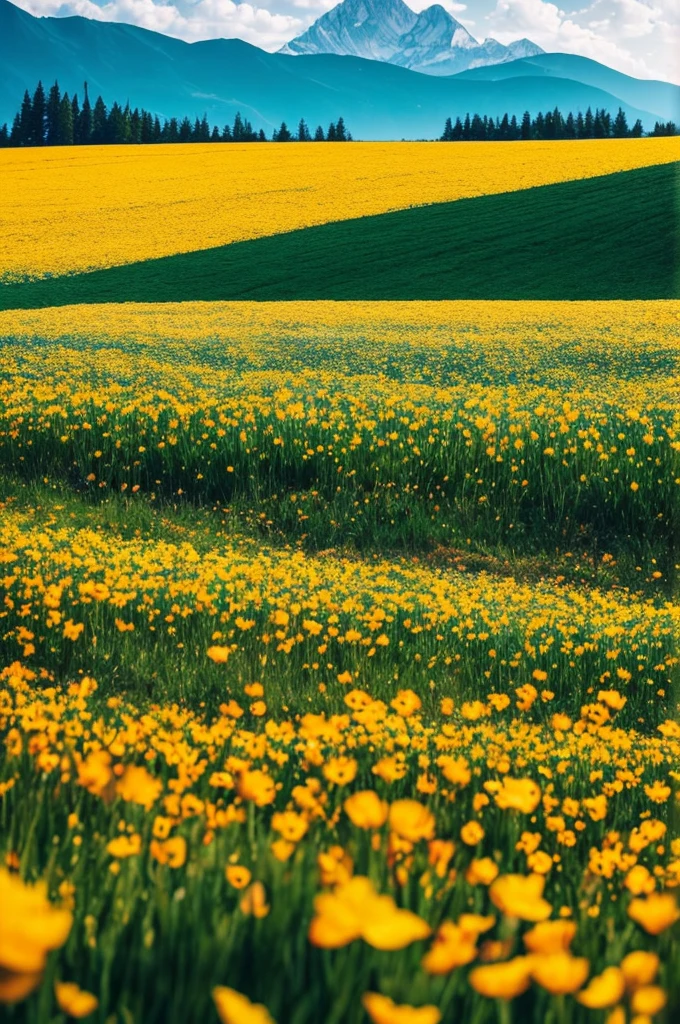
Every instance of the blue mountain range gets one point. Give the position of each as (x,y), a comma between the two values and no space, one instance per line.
(378,99)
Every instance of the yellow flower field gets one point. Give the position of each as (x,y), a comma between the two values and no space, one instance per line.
(69,210)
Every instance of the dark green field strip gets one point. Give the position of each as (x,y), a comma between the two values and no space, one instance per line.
(612,237)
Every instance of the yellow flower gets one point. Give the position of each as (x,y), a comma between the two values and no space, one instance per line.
(605,990)
(502,981)
(655,914)
(137,786)
(481,871)
(639,968)
(73,1001)
(220,655)
(256,786)
(237,876)
(382,1010)
(560,973)
(30,927)
(366,810)
(518,794)
(172,852)
(520,896)
(648,1000)
(452,947)
(411,820)
(340,770)
(550,937)
(290,825)
(125,846)
(234,1008)
(354,910)
(472,833)
(254,901)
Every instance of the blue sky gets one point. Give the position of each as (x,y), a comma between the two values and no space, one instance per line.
(639,37)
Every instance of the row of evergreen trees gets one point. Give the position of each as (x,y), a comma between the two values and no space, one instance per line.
(550,125)
(54,119)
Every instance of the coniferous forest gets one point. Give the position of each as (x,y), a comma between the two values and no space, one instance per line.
(549,126)
(55,119)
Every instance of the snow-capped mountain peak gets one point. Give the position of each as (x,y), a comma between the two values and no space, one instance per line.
(388,30)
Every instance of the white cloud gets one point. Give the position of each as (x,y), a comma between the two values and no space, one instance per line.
(638,37)
(450,5)
(206,19)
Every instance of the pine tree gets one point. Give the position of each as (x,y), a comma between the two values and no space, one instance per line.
(25,121)
(52,116)
(185,130)
(588,124)
(226,133)
(466,128)
(620,127)
(319,134)
(447,134)
(99,131)
(636,130)
(237,130)
(261,137)
(303,132)
(330,134)
(15,134)
(525,130)
(65,129)
(4,136)
(86,123)
(340,131)
(283,134)
(38,116)
(514,129)
(75,119)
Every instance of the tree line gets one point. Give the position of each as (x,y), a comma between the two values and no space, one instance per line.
(55,119)
(549,125)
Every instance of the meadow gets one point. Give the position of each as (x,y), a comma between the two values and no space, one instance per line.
(339,639)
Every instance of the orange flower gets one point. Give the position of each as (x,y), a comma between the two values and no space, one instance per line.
(603,991)
(73,1001)
(504,980)
(518,794)
(560,973)
(639,968)
(30,927)
(366,810)
(481,871)
(355,910)
(254,901)
(520,896)
(234,1008)
(452,947)
(256,786)
(340,770)
(237,875)
(172,852)
(138,786)
(382,1010)
(655,914)
(472,833)
(550,937)
(648,1001)
(290,825)
(125,846)
(411,820)
(219,655)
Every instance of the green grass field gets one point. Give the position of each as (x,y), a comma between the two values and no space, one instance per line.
(614,237)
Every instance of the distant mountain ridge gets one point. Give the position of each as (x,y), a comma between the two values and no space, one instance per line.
(431,42)
(218,77)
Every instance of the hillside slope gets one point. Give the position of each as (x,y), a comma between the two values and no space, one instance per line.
(661,97)
(613,237)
